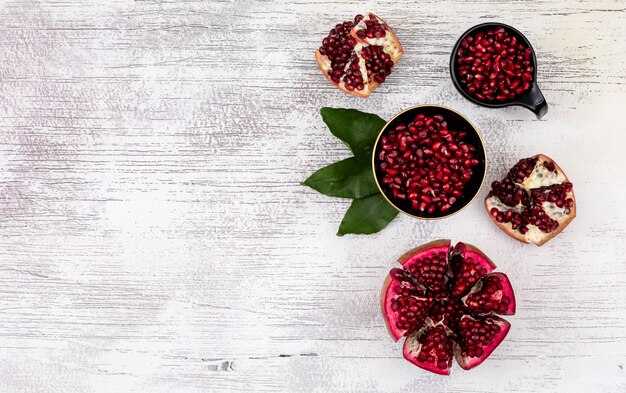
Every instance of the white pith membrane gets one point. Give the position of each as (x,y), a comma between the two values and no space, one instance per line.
(539,177)
(390,46)
(433,342)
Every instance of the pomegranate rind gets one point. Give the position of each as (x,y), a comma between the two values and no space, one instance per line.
(507,228)
(324,66)
(385,305)
(467,363)
(507,290)
(396,50)
(386,296)
(411,350)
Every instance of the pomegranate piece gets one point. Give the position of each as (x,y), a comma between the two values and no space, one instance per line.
(534,202)
(444,300)
(495,65)
(425,165)
(407,301)
(430,349)
(468,265)
(477,339)
(492,294)
(358,55)
(431,270)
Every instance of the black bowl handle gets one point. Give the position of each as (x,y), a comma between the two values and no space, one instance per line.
(535,101)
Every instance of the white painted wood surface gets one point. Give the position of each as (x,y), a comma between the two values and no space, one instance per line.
(155,237)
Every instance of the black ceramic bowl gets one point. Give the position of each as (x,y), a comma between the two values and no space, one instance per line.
(531,99)
(456,121)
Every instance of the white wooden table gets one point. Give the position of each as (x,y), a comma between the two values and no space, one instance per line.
(155,237)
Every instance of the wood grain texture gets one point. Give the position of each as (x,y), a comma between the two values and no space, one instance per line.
(154,236)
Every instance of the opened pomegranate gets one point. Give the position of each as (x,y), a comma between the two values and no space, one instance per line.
(445,301)
(494,66)
(534,202)
(424,164)
(357,56)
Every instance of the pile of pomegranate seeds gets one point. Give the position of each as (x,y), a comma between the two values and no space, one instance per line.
(533,202)
(425,164)
(493,66)
(359,55)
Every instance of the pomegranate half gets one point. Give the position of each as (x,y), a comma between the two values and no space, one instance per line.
(534,202)
(357,56)
(445,301)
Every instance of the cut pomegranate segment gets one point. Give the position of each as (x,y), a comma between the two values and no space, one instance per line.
(477,339)
(492,294)
(534,202)
(445,298)
(425,250)
(468,265)
(403,298)
(359,55)
(429,267)
(430,349)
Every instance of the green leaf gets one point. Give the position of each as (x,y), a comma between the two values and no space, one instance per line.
(367,215)
(349,178)
(357,129)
